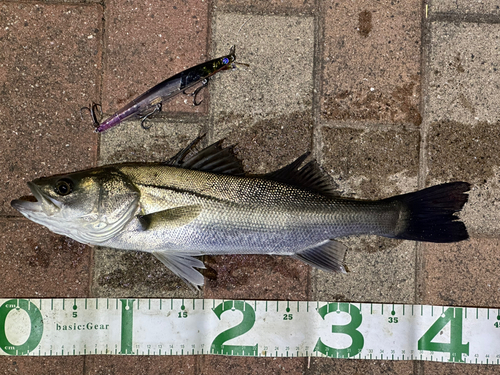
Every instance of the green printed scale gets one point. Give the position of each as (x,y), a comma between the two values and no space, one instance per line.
(50,327)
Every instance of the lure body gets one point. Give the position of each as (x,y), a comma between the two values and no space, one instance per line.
(151,101)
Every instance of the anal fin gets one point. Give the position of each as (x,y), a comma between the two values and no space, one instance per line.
(327,256)
(183,265)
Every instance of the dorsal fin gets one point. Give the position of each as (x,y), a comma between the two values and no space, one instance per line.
(310,176)
(213,159)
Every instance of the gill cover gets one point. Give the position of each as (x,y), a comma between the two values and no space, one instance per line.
(90,206)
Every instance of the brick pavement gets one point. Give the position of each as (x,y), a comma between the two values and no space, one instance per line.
(389,96)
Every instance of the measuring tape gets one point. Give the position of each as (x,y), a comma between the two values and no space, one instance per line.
(83,326)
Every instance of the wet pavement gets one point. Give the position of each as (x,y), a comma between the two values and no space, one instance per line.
(389,96)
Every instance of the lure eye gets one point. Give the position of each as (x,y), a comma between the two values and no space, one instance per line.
(225,61)
(64,186)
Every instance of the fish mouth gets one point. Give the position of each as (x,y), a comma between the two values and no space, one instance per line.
(37,203)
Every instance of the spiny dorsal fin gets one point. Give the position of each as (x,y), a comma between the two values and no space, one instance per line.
(213,159)
(310,176)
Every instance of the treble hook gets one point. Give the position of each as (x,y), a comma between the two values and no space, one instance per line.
(195,93)
(92,110)
(144,118)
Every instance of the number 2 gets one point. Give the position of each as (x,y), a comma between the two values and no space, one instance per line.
(246,325)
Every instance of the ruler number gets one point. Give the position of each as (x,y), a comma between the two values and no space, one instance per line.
(393,319)
(455,346)
(287,316)
(349,329)
(246,325)
(36,327)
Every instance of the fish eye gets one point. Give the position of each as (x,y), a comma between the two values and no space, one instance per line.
(64,186)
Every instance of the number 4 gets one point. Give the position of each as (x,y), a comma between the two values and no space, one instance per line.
(455,346)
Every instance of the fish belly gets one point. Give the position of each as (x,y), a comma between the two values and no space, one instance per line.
(260,230)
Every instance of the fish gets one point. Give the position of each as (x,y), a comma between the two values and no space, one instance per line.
(200,202)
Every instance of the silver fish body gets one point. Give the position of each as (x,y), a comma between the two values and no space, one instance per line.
(202,204)
(228,214)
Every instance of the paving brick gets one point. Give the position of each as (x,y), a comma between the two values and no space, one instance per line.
(371,164)
(247,365)
(38,263)
(371,72)
(459,369)
(463,79)
(257,277)
(151,365)
(41,365)
(348,366)
(122,274)
(244,97)
(49,60)
(461,274)
(146,43)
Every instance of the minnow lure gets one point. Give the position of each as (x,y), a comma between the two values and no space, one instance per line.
(150,102)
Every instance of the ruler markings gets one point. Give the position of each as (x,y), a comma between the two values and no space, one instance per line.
(333,329)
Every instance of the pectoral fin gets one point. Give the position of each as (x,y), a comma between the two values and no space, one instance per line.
(183,266)
(171,218)
(328,256)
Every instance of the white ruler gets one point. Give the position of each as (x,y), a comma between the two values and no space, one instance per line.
(49,327)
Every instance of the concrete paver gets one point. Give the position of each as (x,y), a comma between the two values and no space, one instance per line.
(467,152)
(464,7)
(270,127)
(216,364)
(371,72)
(291,7)
(458,368)
(463,79)
(460,123)
(279,80)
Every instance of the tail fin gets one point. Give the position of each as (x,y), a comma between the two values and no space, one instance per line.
(430,213)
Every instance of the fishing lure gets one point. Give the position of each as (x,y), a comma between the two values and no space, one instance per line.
(150,102)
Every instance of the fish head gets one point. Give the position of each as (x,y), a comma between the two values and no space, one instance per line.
(90,206)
